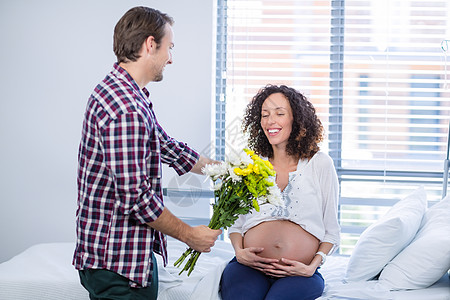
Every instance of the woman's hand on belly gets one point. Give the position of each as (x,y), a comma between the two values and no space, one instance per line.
(249,257)
(289,267)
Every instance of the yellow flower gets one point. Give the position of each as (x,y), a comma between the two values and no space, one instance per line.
(256,158)
(249,152)
(238,171)
(255,204)
(256,169)
(247,171)
(244,172)
(268,164)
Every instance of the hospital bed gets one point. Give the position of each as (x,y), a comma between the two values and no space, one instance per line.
(44,271)
(419,271)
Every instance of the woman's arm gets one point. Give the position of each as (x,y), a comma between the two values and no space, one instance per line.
(325,248)
(295,268)
(329,187)
(249,256)
(237,241)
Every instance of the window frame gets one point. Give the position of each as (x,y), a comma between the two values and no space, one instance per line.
(335,118)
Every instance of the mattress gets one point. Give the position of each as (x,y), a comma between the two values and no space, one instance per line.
(44,271)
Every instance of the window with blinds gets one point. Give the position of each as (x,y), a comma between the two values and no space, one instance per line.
(376,72)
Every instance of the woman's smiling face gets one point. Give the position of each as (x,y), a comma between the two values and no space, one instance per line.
(277,119)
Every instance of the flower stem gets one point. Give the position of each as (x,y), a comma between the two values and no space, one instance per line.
(183,257)
(191,268)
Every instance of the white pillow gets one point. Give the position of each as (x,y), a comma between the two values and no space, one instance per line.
(384,239)
(427,258)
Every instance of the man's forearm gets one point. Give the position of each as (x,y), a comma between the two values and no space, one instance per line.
(200,238)
(169,224)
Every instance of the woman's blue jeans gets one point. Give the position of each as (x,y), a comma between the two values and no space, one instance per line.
(242,282)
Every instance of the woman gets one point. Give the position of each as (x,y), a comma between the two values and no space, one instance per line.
(279,249)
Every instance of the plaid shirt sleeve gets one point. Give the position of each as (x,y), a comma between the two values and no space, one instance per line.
(127,153)
(177,154)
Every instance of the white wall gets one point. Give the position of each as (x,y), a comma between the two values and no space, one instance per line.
(52,55)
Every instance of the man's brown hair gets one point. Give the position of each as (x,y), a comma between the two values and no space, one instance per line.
(135,26)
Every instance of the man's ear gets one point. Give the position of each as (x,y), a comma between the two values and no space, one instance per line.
(150,44)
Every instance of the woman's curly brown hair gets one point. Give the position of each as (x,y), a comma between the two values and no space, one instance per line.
(307,130)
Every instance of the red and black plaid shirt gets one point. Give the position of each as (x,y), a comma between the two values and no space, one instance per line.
(119,179)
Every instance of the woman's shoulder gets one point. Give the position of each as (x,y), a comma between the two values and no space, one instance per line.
(322,159)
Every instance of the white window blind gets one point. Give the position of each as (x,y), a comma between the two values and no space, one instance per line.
(377,75)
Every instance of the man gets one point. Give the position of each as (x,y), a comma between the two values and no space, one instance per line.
(121,218)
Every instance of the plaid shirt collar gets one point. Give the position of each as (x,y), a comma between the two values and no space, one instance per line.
(122,74)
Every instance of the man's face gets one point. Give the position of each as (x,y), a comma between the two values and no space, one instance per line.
(163,55)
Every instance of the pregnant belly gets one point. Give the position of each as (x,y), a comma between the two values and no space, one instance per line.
(282,239)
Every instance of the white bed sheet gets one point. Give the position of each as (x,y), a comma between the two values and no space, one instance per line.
(333,272)
(44,271)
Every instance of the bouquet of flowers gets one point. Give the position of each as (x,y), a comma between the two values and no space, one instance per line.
(241,183)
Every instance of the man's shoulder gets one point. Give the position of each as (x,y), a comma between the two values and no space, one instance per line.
(115,96)
(113,88)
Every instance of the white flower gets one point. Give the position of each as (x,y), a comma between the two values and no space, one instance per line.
(245,158)
(215,170)
(234,159)
(274,196)
(239,159)
(217,185)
